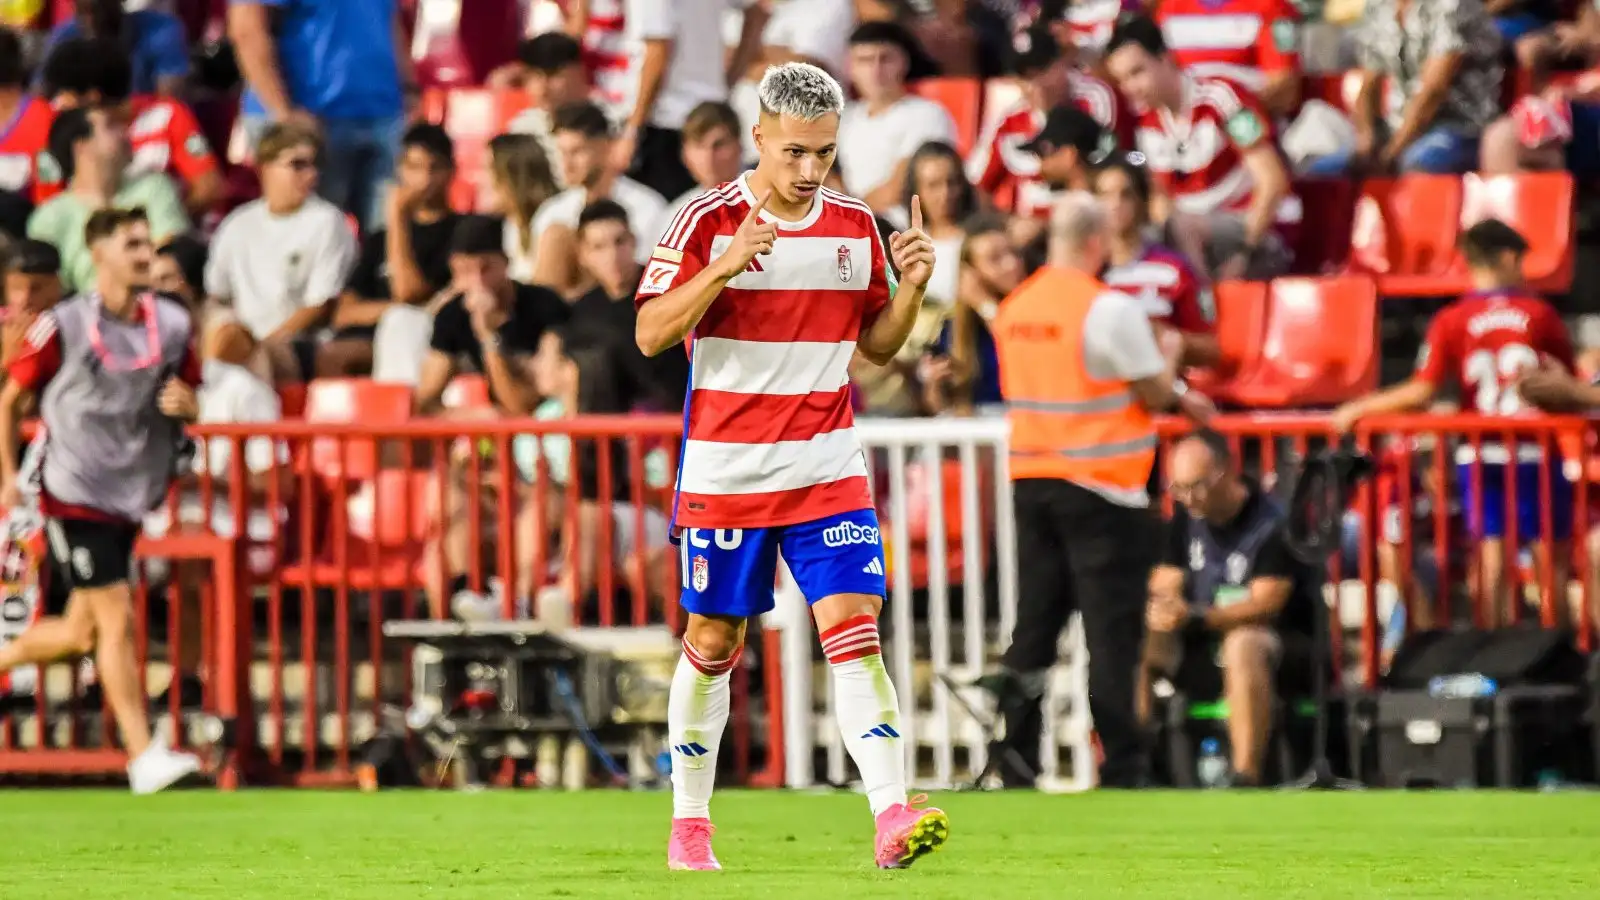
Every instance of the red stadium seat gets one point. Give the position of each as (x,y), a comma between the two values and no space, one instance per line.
(1404,234)
(463,42)
(962,98)
(473,116)
(1538,204)
(1319,347)
(1241,323)
(467,392)
(345,400)
(292,400)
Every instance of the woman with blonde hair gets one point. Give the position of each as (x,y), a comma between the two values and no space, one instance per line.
(520,181)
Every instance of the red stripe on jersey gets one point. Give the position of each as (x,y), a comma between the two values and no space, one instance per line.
(768,418)
(772,509)
(778,316)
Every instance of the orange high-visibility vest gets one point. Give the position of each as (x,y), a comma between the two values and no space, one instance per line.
(1065,423)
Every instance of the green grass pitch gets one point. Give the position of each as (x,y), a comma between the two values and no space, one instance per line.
(1178,846)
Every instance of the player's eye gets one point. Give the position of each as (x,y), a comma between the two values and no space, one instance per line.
(796,153)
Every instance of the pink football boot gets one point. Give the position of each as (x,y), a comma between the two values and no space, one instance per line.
(690,847)
(906,832)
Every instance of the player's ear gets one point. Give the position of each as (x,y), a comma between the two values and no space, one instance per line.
(755,135)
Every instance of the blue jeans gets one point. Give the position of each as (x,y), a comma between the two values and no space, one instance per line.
(358,161)
(1445,150)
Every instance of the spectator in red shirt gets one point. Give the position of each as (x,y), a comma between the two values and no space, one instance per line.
(1222,188)
(1253,43)
(999,166)
(163,130)
(28,119)
(1177,299)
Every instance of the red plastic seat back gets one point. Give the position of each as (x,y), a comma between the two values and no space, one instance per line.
(1537,204)
(962,98)
(1406,225)
(348,400)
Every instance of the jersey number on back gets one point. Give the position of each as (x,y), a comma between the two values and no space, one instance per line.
(1495,372)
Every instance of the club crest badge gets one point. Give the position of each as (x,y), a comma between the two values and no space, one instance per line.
(844,263)
(701,574)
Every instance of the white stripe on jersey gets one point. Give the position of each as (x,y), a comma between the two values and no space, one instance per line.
(716,467)
(682,225)
(786,369)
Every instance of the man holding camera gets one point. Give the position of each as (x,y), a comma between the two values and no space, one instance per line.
(1230,608)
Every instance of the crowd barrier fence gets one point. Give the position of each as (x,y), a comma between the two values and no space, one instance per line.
(268,575)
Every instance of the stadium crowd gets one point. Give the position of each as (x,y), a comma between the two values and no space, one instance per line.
(407,197)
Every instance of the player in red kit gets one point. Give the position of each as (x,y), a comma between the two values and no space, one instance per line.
(24,120)
(777,282)
(1482,345)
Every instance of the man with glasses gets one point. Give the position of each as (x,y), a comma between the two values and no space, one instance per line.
(278,263)
(1230,607)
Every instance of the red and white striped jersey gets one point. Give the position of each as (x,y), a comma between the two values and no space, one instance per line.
(769,436)
(1091,21)
(1240,40)
(1196,153)
(1167,287)
(1002,169)
(605,54)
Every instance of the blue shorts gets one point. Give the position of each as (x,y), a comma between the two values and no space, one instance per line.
(731,571)
(1486,516)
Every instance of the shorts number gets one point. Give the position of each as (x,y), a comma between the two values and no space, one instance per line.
(1495,373)
(726,538)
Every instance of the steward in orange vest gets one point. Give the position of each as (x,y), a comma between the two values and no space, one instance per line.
(1066,423)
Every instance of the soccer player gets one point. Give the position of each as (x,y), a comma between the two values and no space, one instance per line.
(1482,345)
(776,282)
(115,371)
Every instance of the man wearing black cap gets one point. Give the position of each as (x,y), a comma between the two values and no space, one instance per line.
(1069,146)
(1049,79)
(492,325)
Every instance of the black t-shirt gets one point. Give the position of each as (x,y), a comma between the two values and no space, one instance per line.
(1272,560)
(661,379)
(430,244)
(533,310)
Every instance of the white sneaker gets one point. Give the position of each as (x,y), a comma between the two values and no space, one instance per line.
(471,606)
(159,767)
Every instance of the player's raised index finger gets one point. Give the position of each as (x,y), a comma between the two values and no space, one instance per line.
(916,212)
(761,204)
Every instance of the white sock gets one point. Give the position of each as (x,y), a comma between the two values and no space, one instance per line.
(697,711)
(868,709)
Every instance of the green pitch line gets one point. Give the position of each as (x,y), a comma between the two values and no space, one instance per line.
(345,846)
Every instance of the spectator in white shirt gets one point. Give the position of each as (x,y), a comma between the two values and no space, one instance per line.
(880,131)
(677,62)
(584,138)
(277,263)
(813,31)
(711,151)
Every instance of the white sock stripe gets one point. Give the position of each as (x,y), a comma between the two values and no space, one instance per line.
(846,648)
(851,634)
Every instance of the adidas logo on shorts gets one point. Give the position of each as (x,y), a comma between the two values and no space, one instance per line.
(873,568)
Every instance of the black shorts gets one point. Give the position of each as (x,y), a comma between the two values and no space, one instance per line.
(1199,674)
(90,554)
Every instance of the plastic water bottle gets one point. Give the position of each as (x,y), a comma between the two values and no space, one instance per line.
(1213,766)
(1459,687)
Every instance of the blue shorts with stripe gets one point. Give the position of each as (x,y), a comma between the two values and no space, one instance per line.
(1486,505)
(732,571)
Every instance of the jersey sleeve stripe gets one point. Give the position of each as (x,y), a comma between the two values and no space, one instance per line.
(1221,95)
(683,225)
(42,330)
(848,202)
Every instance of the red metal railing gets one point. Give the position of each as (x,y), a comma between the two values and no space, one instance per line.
(340,527)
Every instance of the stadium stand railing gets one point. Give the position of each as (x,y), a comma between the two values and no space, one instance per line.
(298,675)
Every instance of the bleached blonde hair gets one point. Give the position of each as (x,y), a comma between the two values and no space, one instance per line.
(801,91)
